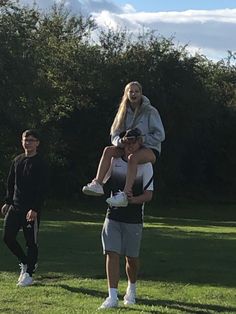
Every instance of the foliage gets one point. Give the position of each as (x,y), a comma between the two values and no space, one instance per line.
(55,77)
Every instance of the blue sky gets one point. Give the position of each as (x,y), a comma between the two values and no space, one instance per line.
(178,5)
(207,27)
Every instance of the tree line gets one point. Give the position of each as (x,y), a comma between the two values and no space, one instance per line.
(54,76)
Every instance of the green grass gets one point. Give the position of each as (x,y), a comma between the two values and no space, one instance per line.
(188,262)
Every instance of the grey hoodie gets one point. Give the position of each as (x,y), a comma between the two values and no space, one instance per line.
(149,122)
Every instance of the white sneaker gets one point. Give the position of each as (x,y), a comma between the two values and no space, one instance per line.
(94,189)
(129,298)
(23,268)
(118,200)
(26,280)
(108,303)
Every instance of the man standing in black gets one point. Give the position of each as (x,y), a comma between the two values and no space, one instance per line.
(26,184)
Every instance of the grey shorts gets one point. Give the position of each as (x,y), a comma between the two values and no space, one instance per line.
(122,238)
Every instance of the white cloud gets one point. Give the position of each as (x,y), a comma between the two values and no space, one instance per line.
(107,19)
(209,31)
(199,16)
(128,8)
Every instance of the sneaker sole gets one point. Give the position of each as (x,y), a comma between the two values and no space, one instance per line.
(92,193)
(106,308)
(27,285)
(128,302)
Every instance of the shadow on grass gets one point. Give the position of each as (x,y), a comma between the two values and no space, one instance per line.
(186,307)
(70,244)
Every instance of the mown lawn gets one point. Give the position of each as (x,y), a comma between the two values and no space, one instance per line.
(188,261)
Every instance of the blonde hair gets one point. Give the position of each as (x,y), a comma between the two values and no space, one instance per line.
(119,120)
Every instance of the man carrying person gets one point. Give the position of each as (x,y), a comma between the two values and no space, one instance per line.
(122,229)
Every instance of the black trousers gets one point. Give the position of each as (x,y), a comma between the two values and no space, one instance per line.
(14,220)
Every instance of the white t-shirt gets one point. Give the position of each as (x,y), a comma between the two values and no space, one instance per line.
(116,175)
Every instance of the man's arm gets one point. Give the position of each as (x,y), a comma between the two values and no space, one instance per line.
(142,198)
(146,196)
(10,190)
(41,187)
(40,191)
(10,185)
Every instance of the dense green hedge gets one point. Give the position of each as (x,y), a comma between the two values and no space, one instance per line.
(55,77)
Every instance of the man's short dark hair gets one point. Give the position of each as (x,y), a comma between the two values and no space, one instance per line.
(31,132)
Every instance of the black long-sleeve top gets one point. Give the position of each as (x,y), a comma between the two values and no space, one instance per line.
(27,182)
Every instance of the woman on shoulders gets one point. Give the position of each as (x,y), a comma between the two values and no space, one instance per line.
(135,111)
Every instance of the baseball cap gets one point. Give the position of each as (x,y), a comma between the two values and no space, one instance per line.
(131,134)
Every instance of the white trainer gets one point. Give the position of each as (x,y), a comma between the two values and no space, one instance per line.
(93,189)
(109,303)
(118,200)
(23,268)
(129,298)
(26,280)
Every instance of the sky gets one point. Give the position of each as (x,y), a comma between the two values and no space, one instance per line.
(207,27)
(177,5)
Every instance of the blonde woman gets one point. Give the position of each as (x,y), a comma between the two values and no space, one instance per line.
(135,111)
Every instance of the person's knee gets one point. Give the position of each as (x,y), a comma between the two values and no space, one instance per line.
(112,255)
(112,151)
(108,151)
(153,159)
(142,156)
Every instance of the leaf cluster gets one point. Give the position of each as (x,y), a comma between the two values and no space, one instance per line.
(56,77)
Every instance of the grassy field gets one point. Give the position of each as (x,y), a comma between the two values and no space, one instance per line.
(188,262)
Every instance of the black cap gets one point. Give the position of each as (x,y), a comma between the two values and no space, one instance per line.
(132,133)
(31,132)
